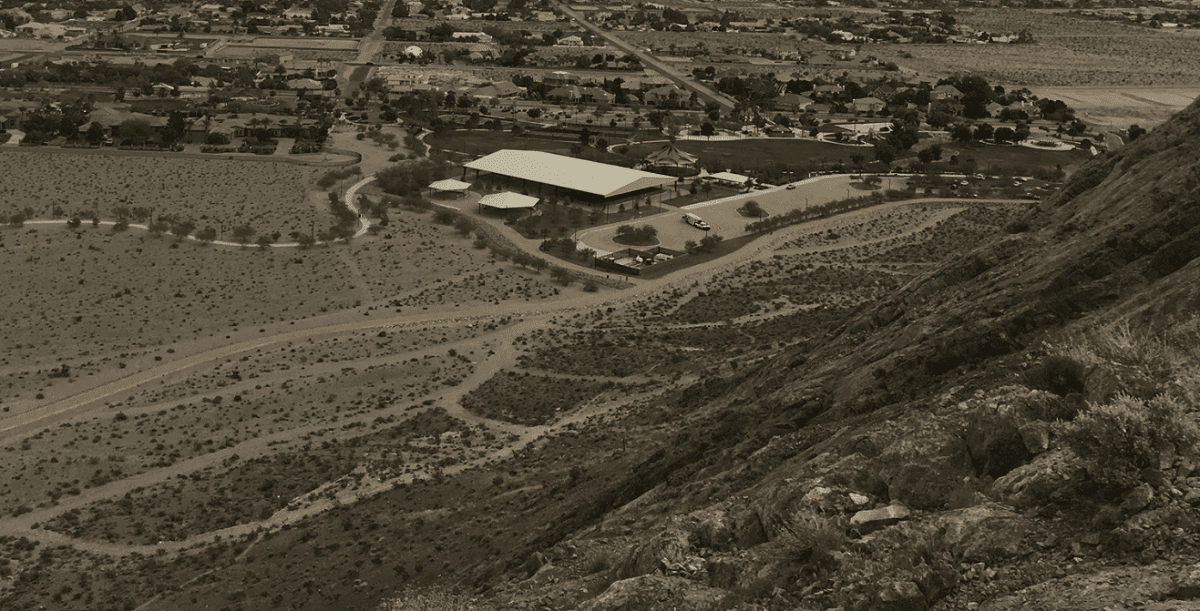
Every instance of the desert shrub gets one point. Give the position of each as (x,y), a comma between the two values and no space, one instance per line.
(561,275)
(811,539)
(1047,407)
(1117,440)
(1059,374)
(1158,358)
(435,600)
(333,176)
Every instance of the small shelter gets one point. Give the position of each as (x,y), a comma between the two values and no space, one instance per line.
(450,186)
(507,200)
(729,178)
(672,161)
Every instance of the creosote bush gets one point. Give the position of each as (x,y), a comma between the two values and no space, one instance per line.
(1061,375)
(812,539)
(1119,439)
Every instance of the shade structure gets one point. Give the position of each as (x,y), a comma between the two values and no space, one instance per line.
(600,179)
(671,155)
(729,177)
(450,185)
(508,201)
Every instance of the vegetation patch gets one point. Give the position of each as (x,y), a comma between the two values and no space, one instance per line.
(530,399)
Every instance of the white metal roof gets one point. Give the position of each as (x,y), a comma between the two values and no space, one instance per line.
(729,176)
(568,172)
(450,185)
(508,200)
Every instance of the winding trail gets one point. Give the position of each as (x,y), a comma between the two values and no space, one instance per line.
(531,316)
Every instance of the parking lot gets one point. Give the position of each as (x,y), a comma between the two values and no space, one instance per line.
(723,217)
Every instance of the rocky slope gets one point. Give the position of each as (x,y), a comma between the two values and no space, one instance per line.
(929,454)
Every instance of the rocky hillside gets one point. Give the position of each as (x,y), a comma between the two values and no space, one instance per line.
(1015,429)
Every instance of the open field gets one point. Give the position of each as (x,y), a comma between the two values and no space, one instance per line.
(271,197)
(1069,51)
(1119,107)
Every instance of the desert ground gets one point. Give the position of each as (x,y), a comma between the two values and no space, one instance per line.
(202,404)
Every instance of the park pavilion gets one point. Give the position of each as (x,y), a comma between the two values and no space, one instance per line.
(546,174)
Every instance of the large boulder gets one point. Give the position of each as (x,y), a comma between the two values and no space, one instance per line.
(871,520)
(1037,483)
(900,596)
(670,547)
(985,533)
(926,485)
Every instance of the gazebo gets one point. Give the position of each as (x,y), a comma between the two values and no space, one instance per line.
(507,200)
(450,185)
(673,161)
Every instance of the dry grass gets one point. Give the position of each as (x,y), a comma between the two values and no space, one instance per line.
(1069,50)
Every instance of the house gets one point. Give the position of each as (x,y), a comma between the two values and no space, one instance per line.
(570,41)
(791,102)
(560,79)
(335,29)
(660,95)
(826,92)
(596,94)
(566,93)
(197,131)
(883,92)
(111,117)
(869,104)
(306,84)
(498,90)
(945,92)
(413,52)
(298,12)
(993,109)
(478,36)
(163,89)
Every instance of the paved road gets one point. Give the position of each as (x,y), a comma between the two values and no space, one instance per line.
(648,60)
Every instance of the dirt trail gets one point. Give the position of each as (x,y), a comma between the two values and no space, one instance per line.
(533,315)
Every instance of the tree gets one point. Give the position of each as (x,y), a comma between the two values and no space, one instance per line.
(1136,131)
(94,134)
(1005,134)
(208,234)
(137,131)
(707,129)
(243,233)
(961,132)
(984,131)
(930,154)
(176,128)
(885,153)
(752,208)
(563,276)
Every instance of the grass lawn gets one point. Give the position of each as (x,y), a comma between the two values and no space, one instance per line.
(484,142)
(987,156)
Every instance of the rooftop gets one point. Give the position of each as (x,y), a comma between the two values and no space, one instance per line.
(568,172)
